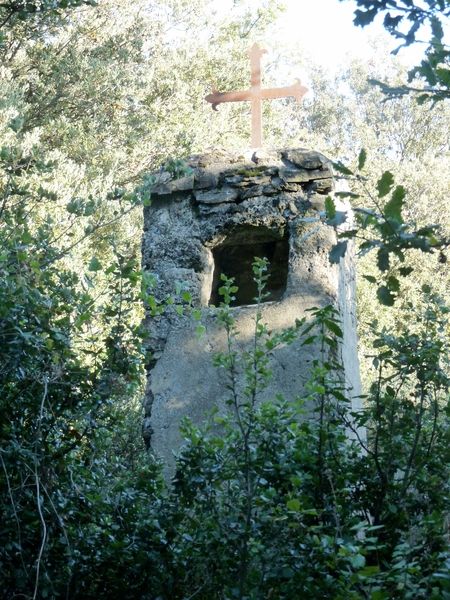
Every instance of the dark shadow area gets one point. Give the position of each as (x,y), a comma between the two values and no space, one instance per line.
(235,256)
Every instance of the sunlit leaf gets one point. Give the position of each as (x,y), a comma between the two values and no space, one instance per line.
(385,183)
(330,208)
(385,296)
(94,264)
(362,159)
(393,209)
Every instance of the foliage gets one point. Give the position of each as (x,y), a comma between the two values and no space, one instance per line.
(60,381)
(405,20)
(292,507)
(270,506)
(400,138)
(78,494)
(384,229)
(14,14)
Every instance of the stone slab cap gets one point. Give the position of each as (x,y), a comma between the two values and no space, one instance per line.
(305,159)
(221,177)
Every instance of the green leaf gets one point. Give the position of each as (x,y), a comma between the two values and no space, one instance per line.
(337,252)
(379,595)
(26,237)
(369,571)
(94,264)
(349,233)
(383,259)
(347,195)
(393,283)
(370,278)
(330,207)
(362,159)
(334,327)
(309,340)
(427,71)
(384,184)
(391,22)
(364,17)
(16,124)
(200,330)
(385,296)
(393,209)
(341,168)
(89,208)
(404,271)
(357,561)
(75,206)
(436,28)
(293,504)
(444,75)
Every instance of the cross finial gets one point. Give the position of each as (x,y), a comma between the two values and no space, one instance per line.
(255,94)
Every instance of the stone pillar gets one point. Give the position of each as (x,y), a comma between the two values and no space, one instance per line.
(216,219)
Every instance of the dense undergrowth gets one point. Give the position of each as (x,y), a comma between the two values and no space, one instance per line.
(276,506)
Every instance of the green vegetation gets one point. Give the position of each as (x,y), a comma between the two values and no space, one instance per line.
(251,172)
(407,20)
(93,99)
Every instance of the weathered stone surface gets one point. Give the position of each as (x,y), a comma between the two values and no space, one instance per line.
(236,180)
(216,196)
(322,186)
(251,192)
(305,159)
(243,206)
(291,187)
(205,179)
(302,175)
(259,179)
(262,156)
(176,185)
(270,190)
(317,201)
(216,209)
(293,208)
(217,157)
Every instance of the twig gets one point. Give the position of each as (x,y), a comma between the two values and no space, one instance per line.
(196,592)
(38,491)
(16,517)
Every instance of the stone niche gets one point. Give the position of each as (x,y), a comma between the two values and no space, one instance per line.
(228,210)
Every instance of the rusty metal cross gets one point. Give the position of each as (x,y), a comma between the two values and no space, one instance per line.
(255,94)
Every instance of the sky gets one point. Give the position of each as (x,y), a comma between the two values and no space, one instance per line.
(325,28)
(324,31)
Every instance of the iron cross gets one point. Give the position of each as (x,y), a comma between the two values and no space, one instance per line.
(255,94)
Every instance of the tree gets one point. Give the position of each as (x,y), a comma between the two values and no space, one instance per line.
(406,21)
(80,119)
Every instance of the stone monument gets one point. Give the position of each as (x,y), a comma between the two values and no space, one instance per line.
(229,209)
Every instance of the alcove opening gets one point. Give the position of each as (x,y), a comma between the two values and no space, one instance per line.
(234,257)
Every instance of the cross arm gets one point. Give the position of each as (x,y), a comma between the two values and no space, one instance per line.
(296,90)
(217,98)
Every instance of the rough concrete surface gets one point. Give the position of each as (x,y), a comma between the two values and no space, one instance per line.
(233,205)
